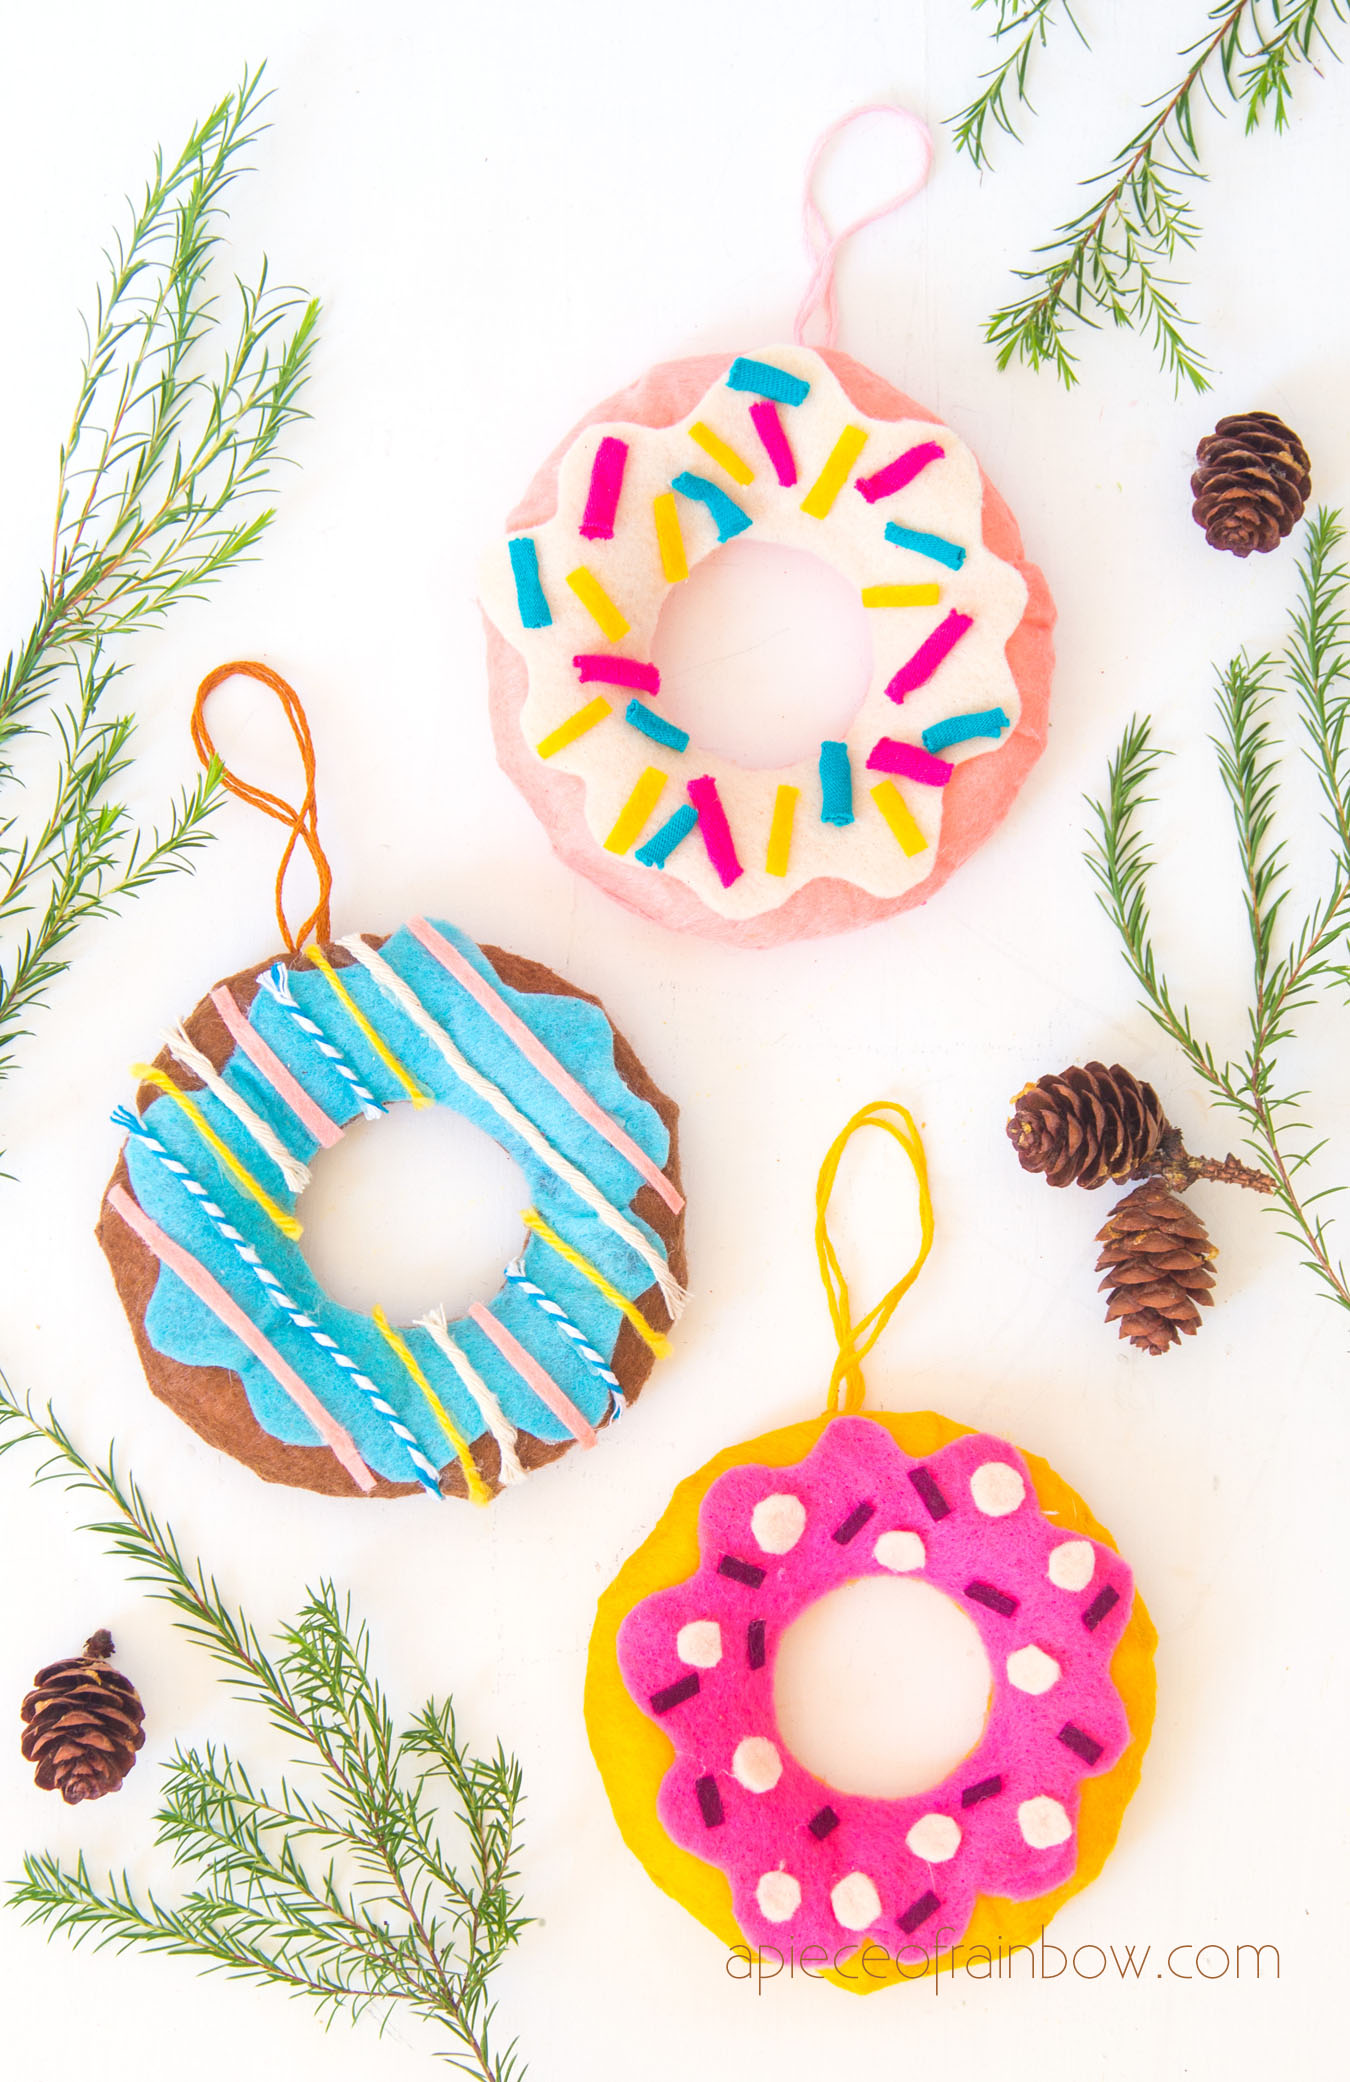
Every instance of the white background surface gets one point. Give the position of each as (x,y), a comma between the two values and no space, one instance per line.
(509,212)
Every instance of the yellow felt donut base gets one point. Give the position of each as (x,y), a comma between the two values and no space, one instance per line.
(634,1755)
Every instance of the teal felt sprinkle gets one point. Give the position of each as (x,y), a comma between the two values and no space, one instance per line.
(935,546)
(535,612)
(728,518)
(656,727)
(986,722)
(662,843)
(836,783)
(763,380)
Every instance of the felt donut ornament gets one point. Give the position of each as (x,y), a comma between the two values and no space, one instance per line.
(200,1220)
(682,1705)
(807,450)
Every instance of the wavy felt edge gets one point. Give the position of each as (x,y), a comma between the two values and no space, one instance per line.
(633,1755)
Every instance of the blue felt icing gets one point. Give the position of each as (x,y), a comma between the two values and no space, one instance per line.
(577,1033)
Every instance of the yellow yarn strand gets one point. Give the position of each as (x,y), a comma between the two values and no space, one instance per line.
(478,1489)
(847,1386)
(315,954)
(146,1073)
(653,1338)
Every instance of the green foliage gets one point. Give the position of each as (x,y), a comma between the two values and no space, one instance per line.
(1021,27)
(177,423)
(1294,965)
(337,1885)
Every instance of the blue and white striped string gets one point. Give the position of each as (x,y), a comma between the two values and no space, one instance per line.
(277,984)
(565,1327)
(427,1474)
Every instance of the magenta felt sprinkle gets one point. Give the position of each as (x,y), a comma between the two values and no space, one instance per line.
(901,472)
(712,822)
(890,755)
(602,501)
(930,654)
(617,672)
(769,427)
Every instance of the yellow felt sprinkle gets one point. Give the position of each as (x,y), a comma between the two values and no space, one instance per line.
(898,815)
(669,540)
(577,725)
(638,808)
(146,1073)
(833,477)
(780,831)
(478,1489)
(900,596)
(414,1090)
(721,452)
(597,603)
(652,1338)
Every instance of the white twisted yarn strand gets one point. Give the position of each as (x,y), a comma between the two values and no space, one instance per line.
(563,1324)
(276,1293)
(186,1052)
(277,984)
(586,1191)
(491,1411)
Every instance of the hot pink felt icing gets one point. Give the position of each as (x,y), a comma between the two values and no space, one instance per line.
(1050,1608)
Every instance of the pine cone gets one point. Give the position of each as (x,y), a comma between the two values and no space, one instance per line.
(1252,483)
(1087,1125)
(84,1724)
(1156,1256)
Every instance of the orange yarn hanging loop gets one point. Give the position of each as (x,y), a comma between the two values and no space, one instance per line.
(302,819)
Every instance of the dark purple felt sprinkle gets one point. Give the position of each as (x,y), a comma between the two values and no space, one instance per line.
(1100,1606)
(935,1503)
(675,1694)
(754,1644)
(710,1803)
(740,1571)
(821,1824)
(1081,1744)
(854,1523)
(919,1911)
(984,1790)
(996,1600)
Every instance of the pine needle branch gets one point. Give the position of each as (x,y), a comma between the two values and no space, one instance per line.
(1022,28)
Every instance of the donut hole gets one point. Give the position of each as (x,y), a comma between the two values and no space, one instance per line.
(881,1687)
(416,1209)
(763,653)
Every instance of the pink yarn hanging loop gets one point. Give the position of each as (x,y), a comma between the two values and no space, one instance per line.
(823,248)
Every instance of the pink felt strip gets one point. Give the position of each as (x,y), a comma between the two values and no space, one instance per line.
(324,1131)
(617,672)
(901,472)
(890,755)
(548,1066)
(777,447)
(602,501)
(199,1281)
(929,655)
(712,822)
(529,1369)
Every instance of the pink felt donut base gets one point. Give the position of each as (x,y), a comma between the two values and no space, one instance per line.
(978,797)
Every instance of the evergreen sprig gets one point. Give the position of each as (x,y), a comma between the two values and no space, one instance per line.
(177,424)
(338,1885)
(1021,28)
(1293,965)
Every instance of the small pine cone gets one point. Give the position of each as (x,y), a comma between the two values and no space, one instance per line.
(1252,484)
(1156,1255)
(1085,1125)
(84,1724)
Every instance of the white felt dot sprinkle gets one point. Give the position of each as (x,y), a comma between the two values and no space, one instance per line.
(1032,1670)
(855,1901)
(700,1643)
(757,1764)
(779,1897)
(900,1552)
(997,1488)
(1071,1564)
(1043,1822)
(934,1838)
(778,1522)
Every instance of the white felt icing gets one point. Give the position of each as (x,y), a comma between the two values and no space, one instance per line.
(997,1488)
(935,1838)
(900,1552)
(945,499)
(757,1765)
(1071,1564)
(1032,1670)
(700,1643)
(1043,1823)
(855,1901)
(778,1522)
(779,1897)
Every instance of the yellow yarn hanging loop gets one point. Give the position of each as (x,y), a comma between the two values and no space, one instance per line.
(847,1387)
